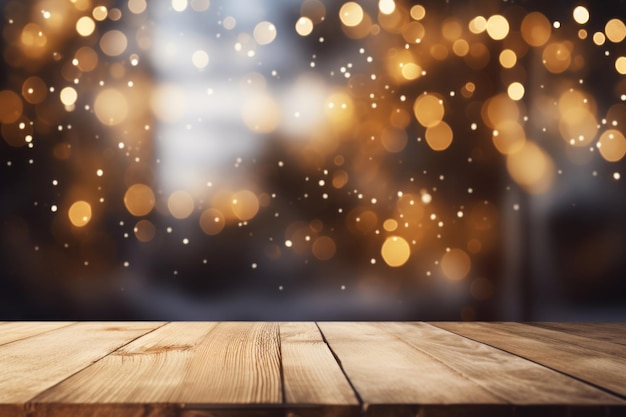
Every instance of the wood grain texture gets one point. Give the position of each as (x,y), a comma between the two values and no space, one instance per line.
(29,366)
(190,367)
(12,331)
(572,355)
(311,375)
(607,332)
(387,372)
(514,379)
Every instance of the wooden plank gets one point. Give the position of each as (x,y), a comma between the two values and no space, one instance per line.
(395,379)
(608,332)
(192,368)
(12,331)
(506,376)
(311,375)
(32,365)
(573,355)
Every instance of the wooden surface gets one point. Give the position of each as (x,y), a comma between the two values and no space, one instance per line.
(335,369)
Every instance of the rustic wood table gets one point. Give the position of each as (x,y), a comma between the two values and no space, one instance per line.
(227,369)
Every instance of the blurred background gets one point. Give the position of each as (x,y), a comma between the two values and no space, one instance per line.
(310,159)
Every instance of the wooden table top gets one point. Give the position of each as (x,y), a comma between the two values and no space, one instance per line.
(228,369)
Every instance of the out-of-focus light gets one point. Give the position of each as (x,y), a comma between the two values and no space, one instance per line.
(395,251)
(80,213)
(351,14)
(581,15)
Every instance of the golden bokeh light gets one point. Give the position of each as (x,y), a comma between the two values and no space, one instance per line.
(612,145)
(34,90)
(599,38)
(581,15)
(536,29)
(85,26)
(531,168)
(261,113)
(138,6)
(515,91)
(509,137)
(11,106)
(557,57)
(264,33)
(497,27)
(324,248)
(386,6)
(339,109)
(478,25)
(68,96)
(361,222)
(113,43)
(180,204)
(86,59)
(439,137)
(418,12)
(144,231)
(79,213)
(460,47)
(245,205)
(428,109)
(411,71)
(111,107)
(395,251)
(212,221)
(304,26)
(200,59)
(394,140)
(139,200)
(455,264)
(390,225)
(620,65)
(507,58)
(351,14)
(100,13)
(615,30)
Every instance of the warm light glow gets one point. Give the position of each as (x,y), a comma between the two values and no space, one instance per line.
(395,251)
(34,91)
(615,30)
(418,12)
(455,264)
(351,14)
(111,107)
(113,43)
(212,221)
(386,6)
(507,58)
(536,29)
(508,137)
(612,145)
(139,200)
(304,26)
(324,248)
(200,59)
(85,26)
(439,137)
(80,213)
(428,110)
(144,231)
(557,57)
(261,113)
(245,205)
(497,27)
(68,96)
(478,25)
(11,106)
(180,204)
(532,168)
(581,15)
(515,91)
(620,65)
(264,33)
